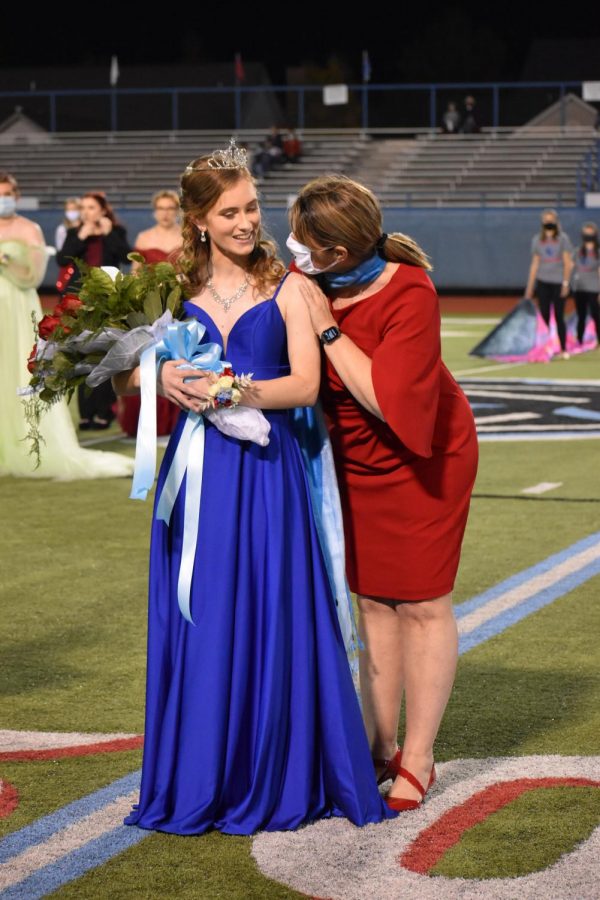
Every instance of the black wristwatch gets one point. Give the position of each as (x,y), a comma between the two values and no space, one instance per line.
(330,335)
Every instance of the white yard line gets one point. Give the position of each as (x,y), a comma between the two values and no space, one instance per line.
(511,395)
(481,369)
(542,488)
(505,417)
(466,320)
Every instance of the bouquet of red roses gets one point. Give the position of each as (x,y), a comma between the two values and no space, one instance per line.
(102,330)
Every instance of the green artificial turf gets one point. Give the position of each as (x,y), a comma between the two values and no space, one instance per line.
(166,866)
(526,836)
(47,785)
(73,646)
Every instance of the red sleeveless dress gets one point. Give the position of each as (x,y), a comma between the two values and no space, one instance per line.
(128,408)
(405,482)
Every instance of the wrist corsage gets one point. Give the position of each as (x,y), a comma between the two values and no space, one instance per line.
(226,392)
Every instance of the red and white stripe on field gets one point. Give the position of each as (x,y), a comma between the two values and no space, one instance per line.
(21,745)
(333,859)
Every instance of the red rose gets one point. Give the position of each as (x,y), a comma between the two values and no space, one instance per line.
(47,326)
(68,305)
(32,360)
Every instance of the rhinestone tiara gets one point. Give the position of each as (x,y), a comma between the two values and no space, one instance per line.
(232,158)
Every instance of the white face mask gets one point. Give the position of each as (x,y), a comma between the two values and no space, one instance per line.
(72,215)
(302,257)
(8,205)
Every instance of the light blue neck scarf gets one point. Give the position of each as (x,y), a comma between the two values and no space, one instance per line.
(366,271)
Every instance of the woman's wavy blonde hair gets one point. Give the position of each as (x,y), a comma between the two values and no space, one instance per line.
(201,187)
(334,209)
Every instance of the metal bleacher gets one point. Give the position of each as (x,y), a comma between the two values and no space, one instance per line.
(520,168)
(500,168)
(131,166)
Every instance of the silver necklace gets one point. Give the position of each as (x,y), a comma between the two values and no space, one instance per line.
(226,302)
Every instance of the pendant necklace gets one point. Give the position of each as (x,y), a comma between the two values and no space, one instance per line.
(226,302)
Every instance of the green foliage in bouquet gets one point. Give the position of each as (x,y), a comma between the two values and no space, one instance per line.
(129,300)
(81,328)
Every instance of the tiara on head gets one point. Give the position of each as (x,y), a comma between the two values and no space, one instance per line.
(232,158)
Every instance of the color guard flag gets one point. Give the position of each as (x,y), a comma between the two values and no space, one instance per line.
(240,75)
(114,70)
(366,66)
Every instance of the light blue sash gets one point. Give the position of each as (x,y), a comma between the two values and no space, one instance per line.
(311,433)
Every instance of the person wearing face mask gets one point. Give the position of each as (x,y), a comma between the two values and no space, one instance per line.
(23,260)
(550,273)
(100,240)
(405,448)
(252,720)
(586,280)
(71,219)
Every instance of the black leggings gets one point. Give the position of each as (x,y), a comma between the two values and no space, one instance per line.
(587,301)
(548,295)
(98,403)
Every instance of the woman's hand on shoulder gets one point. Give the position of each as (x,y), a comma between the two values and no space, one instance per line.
(316,303)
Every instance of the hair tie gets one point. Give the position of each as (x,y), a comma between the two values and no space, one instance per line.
(380,244)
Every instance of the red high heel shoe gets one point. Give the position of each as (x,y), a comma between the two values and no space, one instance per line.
(400,804)
(391,767)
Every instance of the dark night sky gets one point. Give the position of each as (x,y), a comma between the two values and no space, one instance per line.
(430,41)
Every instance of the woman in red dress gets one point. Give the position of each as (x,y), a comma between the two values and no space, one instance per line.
(156,244)
(405,445)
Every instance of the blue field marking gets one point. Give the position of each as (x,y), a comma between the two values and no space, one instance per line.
(487,405)
(103,848)
(462,609)
(44,828)
(75,864)
(544,597)
(574,412)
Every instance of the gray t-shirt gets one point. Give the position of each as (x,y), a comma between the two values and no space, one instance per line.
(585,273)
(550,252)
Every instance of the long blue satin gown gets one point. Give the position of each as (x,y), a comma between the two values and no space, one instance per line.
(252,720)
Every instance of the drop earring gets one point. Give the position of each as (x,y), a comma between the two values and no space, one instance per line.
(203,236)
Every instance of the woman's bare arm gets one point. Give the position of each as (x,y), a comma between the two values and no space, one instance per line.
(350,362)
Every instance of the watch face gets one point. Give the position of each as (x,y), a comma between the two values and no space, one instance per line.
(330,334)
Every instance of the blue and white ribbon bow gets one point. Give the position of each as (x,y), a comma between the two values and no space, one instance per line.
(181,341)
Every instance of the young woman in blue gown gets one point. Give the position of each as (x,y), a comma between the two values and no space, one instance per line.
(252,721)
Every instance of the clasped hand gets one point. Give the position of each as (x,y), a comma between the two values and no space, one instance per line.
(189,395)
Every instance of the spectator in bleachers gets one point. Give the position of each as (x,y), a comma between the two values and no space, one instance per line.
(586,279)
(101,241)
(156,244)
(451,119)
(292,146)
(550,272)
(469,123)
(267,157)
(276,138)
